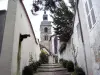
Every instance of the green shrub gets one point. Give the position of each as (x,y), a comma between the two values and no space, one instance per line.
(79,71)
(35,65)
(70,66)
(38,63)
(65,62)
(74,73)
(31,68)
(27,71)
(61,60)
(43,58)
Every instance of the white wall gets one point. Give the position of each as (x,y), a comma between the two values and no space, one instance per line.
(16,23)
(84,56)
(94,35)
(7,44)
(91,44)
(29,45)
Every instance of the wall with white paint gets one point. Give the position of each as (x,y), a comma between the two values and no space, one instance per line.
(17,23)
(29,45)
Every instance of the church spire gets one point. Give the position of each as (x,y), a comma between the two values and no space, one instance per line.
(45,16)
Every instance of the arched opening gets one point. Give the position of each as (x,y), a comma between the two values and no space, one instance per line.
(45,37)
(45,29)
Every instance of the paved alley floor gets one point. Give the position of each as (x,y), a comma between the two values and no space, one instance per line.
(51,69)
(52,73)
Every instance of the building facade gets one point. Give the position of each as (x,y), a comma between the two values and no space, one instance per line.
(86,37)
(19,42)
(45,31)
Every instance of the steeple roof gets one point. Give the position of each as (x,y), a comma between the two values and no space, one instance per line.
(45,16)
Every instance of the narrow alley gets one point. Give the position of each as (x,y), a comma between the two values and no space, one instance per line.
(49,37)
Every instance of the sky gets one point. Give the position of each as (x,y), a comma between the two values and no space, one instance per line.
(35,20)
(3,4)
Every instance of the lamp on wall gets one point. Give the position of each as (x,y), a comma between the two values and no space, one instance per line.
(23,36)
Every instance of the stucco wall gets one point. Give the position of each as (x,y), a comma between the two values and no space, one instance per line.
(7,44)
(94,35)
(90,47)
(84,56)
(85,37)
(17,23)
(29,45)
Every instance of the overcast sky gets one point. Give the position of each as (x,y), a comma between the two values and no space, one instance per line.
(35,20)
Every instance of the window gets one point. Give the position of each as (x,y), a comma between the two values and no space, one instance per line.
(45,29)
(87,9)
(45,37)
(90,14)
(44,18)
(90,4)
(89,21)
(93,16)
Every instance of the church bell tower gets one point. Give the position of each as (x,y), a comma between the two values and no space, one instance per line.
(45,31)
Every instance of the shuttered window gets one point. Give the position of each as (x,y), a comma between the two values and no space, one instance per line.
(90,3)
(87,9)
(90,13)
(93,16)
(89,21)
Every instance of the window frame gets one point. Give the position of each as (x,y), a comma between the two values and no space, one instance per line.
(46,37)
(46,30)
(89,8)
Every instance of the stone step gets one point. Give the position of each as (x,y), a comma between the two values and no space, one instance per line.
(53,73)
(50,69)
(61,73)
(57,66)
(51,65)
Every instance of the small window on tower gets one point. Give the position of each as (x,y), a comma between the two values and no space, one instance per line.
(45,18)
(45,37)
(45,29)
